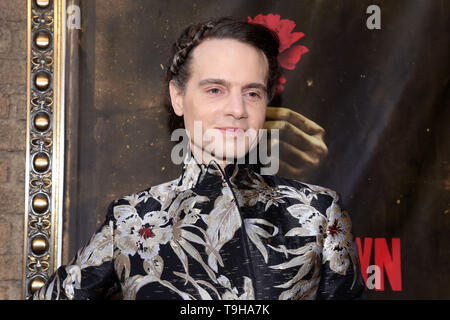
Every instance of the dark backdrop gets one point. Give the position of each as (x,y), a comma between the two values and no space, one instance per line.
(381,96)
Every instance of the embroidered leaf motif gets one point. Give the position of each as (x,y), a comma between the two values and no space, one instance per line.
(300,210)
(192,237)
(196,255)
(124,212)
(249,292)
(297,261)
(232,292)
(254,233)
(224,282)
(308,261)
(259,191)
(222,221)
(163,193)
(210,286)
(133,199)
(312,222)
(134,284)
(297,251)
(122,265)
(208,248)
(72,280)
(300,195)
(307,257)
(154,266)
(99,249)
(184,203)
(298,232)
(203,293)
(304,289)
(181,255)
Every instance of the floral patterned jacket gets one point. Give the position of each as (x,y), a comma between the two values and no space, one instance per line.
(217,234)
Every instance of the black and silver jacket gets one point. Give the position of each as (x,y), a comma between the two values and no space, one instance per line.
(218,234)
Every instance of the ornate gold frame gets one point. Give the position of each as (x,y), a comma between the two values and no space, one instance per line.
(44,175)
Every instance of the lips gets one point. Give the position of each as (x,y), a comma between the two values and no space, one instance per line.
(232,131)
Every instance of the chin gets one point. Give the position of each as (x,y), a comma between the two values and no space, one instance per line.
(229,147)
(230,151)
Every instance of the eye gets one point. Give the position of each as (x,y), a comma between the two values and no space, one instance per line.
(254,95)
(213,91)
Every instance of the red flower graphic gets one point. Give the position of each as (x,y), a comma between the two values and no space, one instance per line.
(146,233)
(281,81)
(334,229)
(289,55)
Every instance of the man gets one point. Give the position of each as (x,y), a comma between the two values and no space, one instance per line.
(221,230)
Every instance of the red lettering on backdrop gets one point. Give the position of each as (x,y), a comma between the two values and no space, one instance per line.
(391,263)
(364,255)
(383,259)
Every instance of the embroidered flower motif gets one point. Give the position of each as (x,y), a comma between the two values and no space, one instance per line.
(146,233)
(311,221)
(289,55)
(338,244)
(334,229)
(141,235)
(259,191)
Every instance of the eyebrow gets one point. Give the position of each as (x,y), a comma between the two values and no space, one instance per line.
(225,83)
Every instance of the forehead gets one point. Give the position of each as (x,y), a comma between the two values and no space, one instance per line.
(228,59)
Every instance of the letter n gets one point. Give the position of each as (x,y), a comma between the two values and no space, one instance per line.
(364,255)
(392,264)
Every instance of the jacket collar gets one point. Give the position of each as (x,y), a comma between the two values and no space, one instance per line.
(193,173)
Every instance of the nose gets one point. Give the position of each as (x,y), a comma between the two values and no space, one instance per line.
(236,106)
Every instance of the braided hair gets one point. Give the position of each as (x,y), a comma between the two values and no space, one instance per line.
(256,35)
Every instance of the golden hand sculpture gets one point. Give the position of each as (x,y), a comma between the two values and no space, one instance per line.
(301,142)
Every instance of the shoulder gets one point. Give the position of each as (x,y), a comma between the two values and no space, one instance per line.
(152,198)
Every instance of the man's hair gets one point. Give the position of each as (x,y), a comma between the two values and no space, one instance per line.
(178,65)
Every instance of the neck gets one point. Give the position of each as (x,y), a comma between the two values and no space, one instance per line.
(194,171)
(204,157)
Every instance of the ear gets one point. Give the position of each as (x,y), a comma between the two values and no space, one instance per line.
(176,97)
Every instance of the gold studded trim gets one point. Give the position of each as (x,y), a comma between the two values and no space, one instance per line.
(45,141)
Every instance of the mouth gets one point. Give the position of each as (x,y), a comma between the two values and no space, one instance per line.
(232,131)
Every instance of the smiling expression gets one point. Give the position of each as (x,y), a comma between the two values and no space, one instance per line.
(226,92)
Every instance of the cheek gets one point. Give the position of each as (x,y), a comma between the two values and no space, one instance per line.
(258,118)
(198,113)
(190,112)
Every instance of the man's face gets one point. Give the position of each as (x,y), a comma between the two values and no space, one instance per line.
(226,92)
